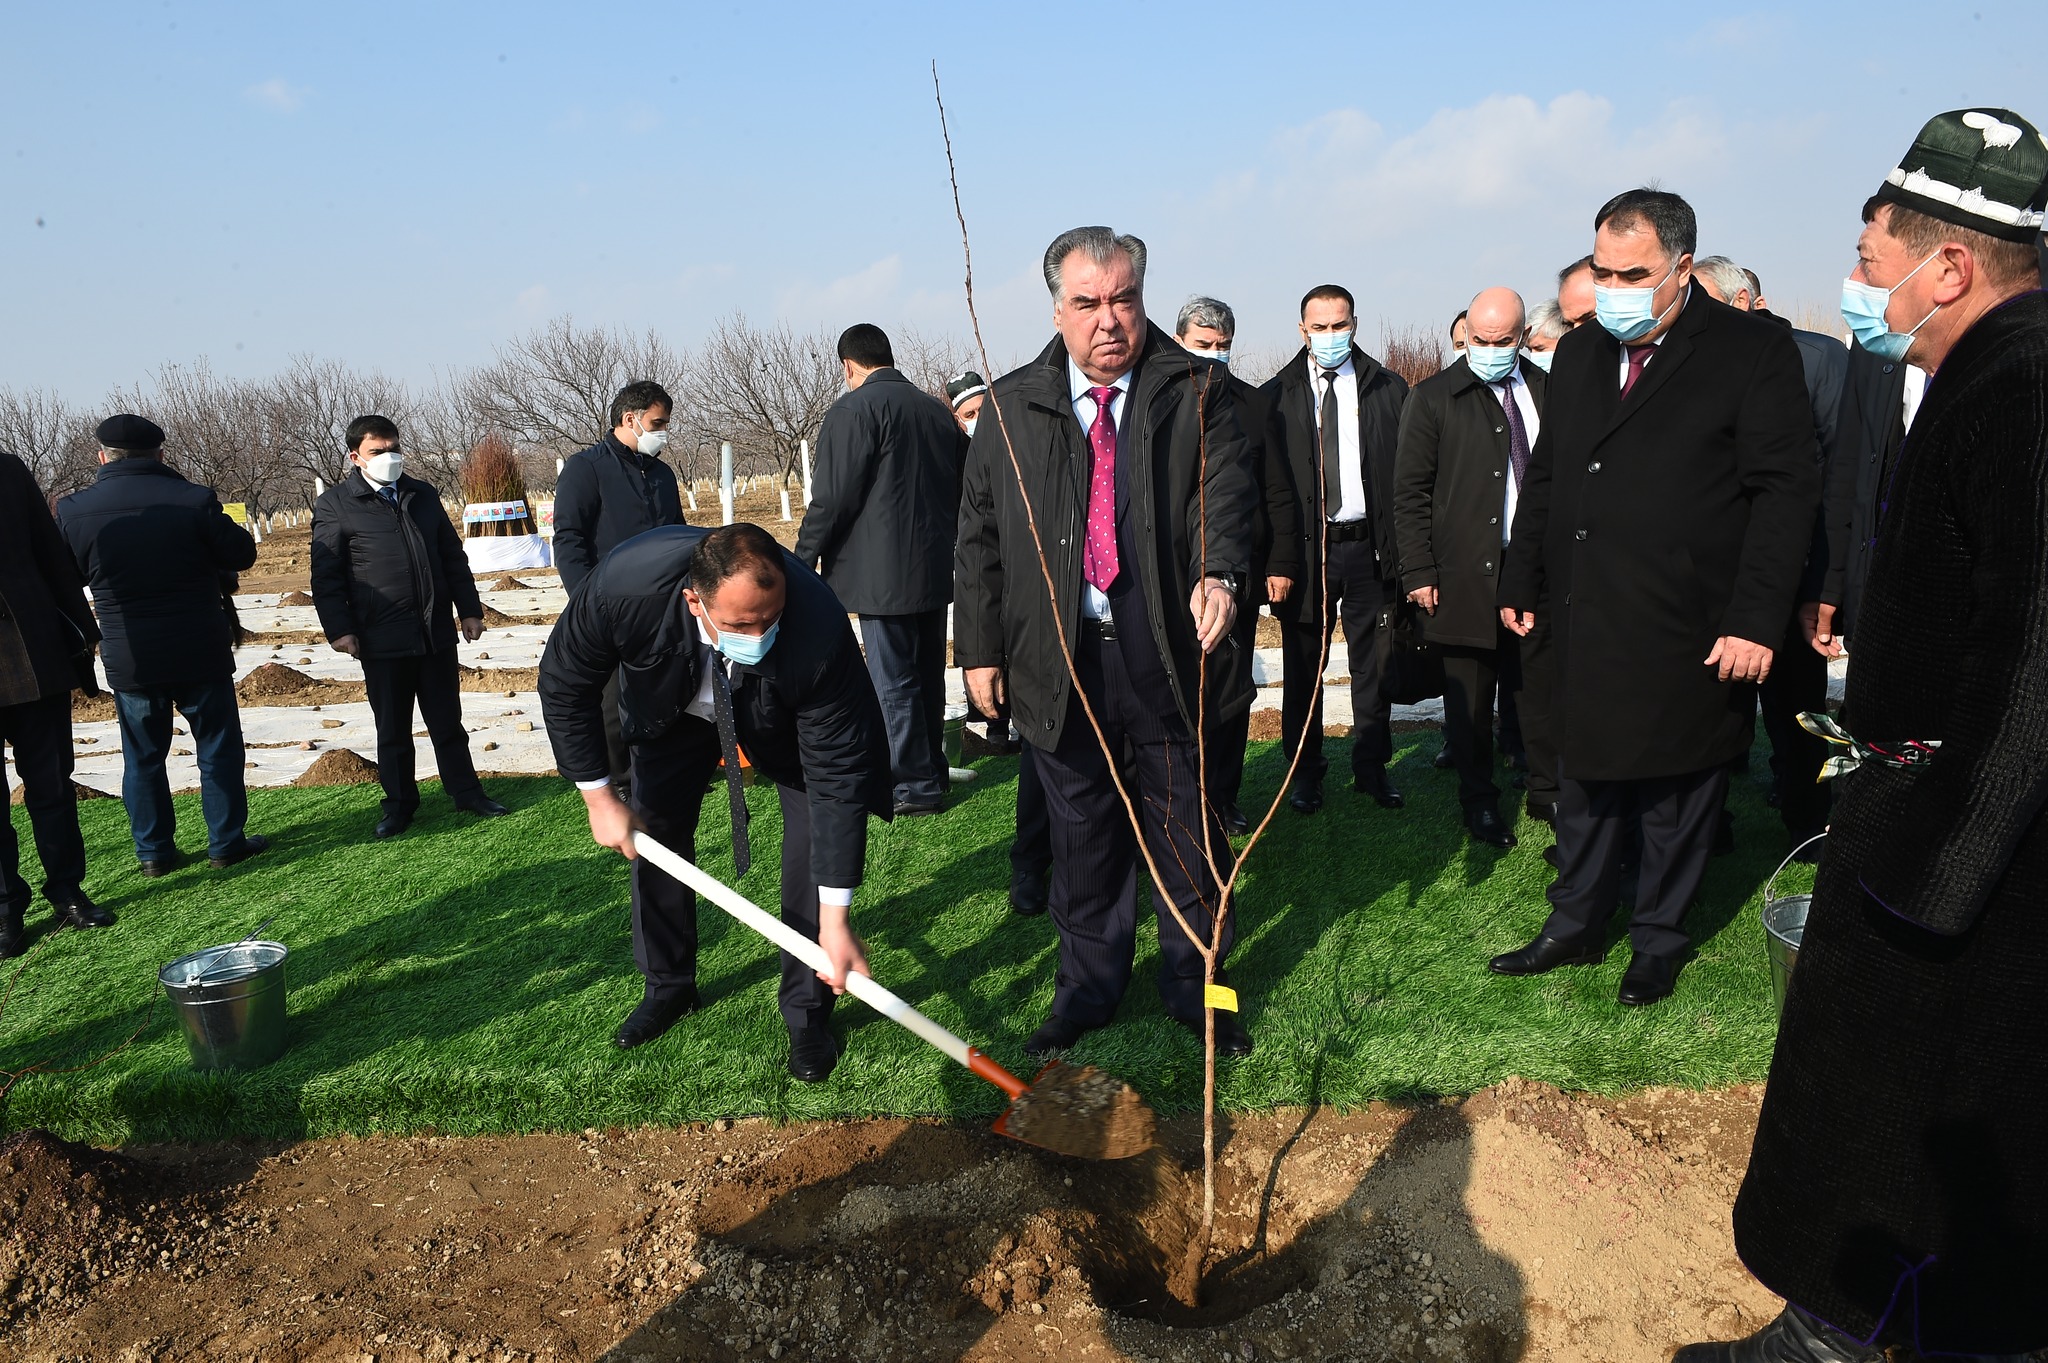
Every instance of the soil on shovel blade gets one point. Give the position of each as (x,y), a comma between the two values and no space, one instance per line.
(1079,1110)
(1519,1224)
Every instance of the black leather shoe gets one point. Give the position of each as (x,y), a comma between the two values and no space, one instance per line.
(249,846)
(1551,855)
(82,913)
(813,1054)
(1306,797)
(1028,897)
(1649,978)
(482,804)
(1544,955)
(1373,781)
(1485,826)
(1054,1034)
(906,809)
(1542,811)
(1443,761)
(1791,1338)
(162,866)
(1233,1042)
(391,825)
(13,935)
(655,1015)
(1235,821)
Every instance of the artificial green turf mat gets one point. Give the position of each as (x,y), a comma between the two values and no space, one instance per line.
(467,976)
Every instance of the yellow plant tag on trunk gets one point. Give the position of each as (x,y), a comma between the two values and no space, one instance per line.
(1219,996)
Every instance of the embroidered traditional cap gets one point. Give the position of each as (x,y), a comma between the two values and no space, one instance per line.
(1984,169)
(129,432)
(961,387)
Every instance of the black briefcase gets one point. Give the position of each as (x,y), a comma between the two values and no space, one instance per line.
(1412,667)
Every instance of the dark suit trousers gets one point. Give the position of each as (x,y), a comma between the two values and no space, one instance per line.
(618,753)
(907,659)
(1798,681)
(1679,816)
(1031,850)
(1359,595)
(1224,751)
(1095,854)
(1472,676)
(431,681)
(39,731)
(211,713)
(1535,676)
(671,777)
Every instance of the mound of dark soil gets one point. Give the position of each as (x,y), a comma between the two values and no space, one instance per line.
(337,767)
(507,583)
(295,599)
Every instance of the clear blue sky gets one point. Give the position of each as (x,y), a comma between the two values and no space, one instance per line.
(406,185)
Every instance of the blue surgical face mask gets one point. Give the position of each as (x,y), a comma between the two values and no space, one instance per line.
(747,649)
(1540,358)
(1490,363)
(1330,348)
(1627,313)
(1864,307)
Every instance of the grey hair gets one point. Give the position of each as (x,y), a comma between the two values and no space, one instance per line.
(1205,312)
(1726,276)
(1546,319)
(1101,244)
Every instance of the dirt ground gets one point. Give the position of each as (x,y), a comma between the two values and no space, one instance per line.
(1521,1223)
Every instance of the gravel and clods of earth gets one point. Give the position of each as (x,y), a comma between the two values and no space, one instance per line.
(1520,1223)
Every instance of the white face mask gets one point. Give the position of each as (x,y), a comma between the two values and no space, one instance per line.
(651,442)
(384,467)
(970,426)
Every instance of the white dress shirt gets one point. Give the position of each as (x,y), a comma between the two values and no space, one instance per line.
(1351,470)
(1095,605)
(1916,388)
(1518,386)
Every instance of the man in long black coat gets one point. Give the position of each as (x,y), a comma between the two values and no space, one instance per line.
(1133,469)
(390,583)
(1669,507)
(1336,414)
(1897,1191)
(155,550)
(1207,327)
(46,638)
(885,502)
(618,488)
(721,642)
(1463,457)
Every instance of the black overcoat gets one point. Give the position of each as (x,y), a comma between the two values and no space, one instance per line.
(46,629)
(604,496)
(1450,490)
(155,547)
(1901,1161)
(1276,509)
(806,714)
(1873,427)
(1656,525)
(1293,426)
(1189,489)
(885,498)
(395,577)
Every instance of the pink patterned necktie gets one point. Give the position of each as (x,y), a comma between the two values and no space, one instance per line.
(1098,555)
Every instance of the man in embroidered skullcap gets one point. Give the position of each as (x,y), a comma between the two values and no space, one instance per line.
(1897,1192)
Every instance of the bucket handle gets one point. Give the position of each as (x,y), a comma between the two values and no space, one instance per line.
(1772,883)
(221,955)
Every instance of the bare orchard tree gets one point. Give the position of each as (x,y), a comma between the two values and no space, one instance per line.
(763,388)
(931,359)
(51,436)
(308,409)
(217,431)
(441,424)
(551,390)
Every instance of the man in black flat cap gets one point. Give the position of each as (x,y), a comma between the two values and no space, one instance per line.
(1896,1195)
(158,552)
(46,639)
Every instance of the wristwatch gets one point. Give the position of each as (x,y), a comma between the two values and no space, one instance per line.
(1231,583)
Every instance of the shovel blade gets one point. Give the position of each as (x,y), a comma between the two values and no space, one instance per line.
(1080,1111)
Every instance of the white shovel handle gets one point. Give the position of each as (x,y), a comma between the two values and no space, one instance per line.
(876,996)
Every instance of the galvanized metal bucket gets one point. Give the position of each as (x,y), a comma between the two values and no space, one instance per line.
(1785,925)
(230,1001)
(956,735)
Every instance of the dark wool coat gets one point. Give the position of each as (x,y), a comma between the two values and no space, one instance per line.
(155,549)
(604,496)
(1655,526)
(1873,426)
(1293,426)
(1450,488)
(806,713)
(1276,507)
(395,577)
(46,629)
(1900,1173)
(1189,496)
(885,498)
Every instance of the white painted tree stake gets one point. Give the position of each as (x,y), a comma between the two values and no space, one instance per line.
(785,505)
(804,448)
